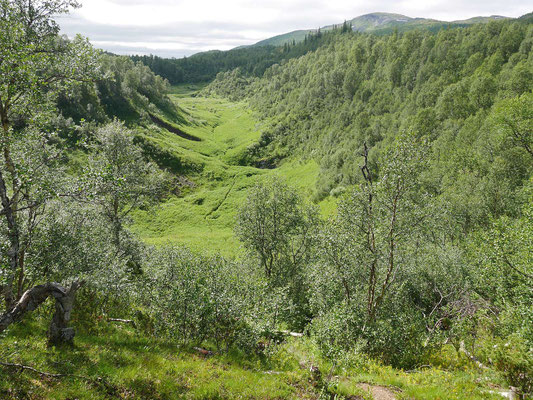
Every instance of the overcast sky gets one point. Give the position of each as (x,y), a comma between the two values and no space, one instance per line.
(175,28)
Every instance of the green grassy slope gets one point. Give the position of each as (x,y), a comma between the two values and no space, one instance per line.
(202,217)
(119,362)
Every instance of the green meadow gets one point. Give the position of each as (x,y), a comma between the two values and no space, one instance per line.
(119,362)
(202,215)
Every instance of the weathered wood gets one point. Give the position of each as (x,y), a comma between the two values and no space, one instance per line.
(123,321)
(34,297)
(14,241)
(29,301)
(59,331)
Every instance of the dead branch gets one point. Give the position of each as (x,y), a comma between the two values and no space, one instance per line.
(123,321)
(293,334)
(471,357)
(21,367)
(28,368)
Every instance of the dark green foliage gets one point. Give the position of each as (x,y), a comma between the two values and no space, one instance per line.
(253,61)
(195,299)
(125,90)
(444,86)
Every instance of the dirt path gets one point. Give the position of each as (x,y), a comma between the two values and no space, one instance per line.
(378,392)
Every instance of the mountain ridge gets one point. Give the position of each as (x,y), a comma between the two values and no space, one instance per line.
(376,22)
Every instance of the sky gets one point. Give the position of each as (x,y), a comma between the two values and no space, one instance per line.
(177,28)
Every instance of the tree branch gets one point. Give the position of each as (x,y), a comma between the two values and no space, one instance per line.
(33,298)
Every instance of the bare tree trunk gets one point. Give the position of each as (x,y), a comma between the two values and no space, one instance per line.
(59,331)
(371,238)
(14,248)
(34,297)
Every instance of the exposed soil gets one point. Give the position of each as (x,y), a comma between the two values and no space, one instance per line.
(378,392)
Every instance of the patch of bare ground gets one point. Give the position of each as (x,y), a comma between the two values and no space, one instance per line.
(378,392)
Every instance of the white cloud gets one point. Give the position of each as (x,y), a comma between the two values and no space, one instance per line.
(183,27)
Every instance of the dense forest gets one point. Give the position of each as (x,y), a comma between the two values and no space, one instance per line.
(360,89)
(254,60)
(420,279)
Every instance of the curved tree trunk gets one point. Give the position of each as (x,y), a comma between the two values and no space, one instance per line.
(34,297)
(59,331)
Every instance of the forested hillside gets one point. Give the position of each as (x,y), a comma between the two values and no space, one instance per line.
(345,218)
(454,89)
(255,59)
(203,67)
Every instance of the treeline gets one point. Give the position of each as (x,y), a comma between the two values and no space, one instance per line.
(253,60)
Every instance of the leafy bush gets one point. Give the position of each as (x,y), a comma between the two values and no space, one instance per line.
(514,358)
(194,299)
(277,229)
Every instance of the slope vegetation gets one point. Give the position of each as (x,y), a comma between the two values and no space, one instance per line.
(202,215)
(446,87)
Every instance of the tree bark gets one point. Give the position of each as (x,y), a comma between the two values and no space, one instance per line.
(59,331)
(14,248)
(34,297)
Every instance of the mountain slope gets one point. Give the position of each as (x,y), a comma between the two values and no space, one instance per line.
(280,40)
(377,22)
(364,89)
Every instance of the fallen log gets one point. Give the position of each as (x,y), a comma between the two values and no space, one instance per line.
(293,334)
(123,321)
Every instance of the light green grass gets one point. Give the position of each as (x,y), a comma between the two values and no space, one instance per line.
(203,217)
(119,362)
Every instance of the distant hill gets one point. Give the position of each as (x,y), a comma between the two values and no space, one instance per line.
(254,60)
(280,40)
(377,23)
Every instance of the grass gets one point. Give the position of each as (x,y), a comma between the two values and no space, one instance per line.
(203,216)
(117,361)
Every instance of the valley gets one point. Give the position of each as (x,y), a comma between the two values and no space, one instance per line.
(203,215)
(339,214)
